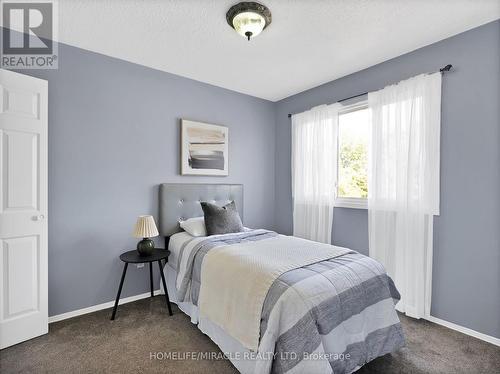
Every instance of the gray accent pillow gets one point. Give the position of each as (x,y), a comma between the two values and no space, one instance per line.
(221,220)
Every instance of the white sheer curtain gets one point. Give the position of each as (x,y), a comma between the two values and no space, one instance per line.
(314,171)
(403,185)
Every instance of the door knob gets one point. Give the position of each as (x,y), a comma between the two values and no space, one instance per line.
(40,217)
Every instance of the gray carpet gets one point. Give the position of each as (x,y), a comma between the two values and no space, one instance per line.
(94,344)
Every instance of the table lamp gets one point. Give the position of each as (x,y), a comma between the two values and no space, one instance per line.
(145,228)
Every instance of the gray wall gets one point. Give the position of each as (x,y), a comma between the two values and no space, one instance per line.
(466,272)
(113,137)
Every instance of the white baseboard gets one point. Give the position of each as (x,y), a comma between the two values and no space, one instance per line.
(102,306)
(465,330)
(109,304)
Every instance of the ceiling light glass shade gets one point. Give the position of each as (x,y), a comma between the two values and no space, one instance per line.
(248,18)
(249,24)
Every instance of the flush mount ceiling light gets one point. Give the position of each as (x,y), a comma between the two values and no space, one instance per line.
(248,18)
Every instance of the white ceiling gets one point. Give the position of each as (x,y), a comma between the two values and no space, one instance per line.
(309,42)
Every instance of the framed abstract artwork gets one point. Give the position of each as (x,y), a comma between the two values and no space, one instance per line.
(204,149)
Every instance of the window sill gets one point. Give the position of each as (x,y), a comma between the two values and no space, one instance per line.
(351,202)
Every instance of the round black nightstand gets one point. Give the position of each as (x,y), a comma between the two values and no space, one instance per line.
(133,257)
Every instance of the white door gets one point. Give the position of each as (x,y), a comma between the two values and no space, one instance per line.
(23,208)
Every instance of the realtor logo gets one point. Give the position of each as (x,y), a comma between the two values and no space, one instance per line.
(28,31)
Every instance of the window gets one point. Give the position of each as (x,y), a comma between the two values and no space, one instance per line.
(352,161)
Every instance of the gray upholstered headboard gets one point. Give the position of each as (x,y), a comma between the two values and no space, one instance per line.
(180,201)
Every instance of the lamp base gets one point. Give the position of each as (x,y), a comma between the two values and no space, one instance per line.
(145,247)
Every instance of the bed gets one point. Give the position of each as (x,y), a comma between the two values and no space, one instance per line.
(306,307)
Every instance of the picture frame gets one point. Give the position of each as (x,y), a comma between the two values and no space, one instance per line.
(204,148)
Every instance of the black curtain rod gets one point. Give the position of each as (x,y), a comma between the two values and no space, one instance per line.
(442,70)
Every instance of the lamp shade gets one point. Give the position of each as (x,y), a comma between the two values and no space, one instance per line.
(145,227)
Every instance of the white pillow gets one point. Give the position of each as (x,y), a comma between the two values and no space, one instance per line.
(194,226)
